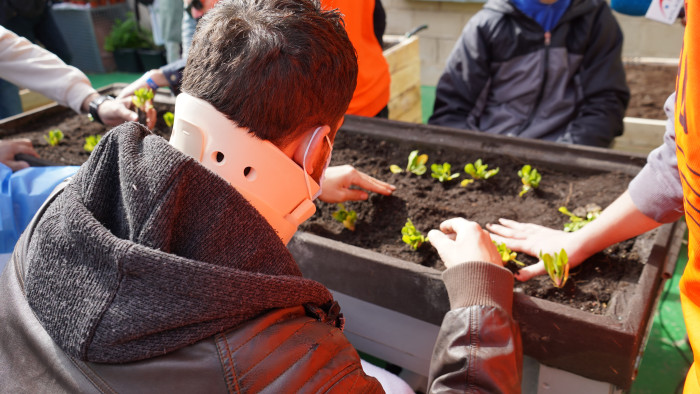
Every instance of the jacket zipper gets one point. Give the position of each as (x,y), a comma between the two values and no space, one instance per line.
(538,100)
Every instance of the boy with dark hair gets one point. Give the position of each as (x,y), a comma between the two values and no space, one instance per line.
(163,266)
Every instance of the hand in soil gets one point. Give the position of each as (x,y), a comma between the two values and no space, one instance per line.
(459,241)
(340,182)
(534,239)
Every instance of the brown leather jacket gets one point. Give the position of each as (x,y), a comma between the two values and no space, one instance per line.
(282,351)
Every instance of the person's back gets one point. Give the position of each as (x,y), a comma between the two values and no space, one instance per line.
(515,72)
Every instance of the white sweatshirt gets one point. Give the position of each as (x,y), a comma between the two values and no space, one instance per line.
(30,66)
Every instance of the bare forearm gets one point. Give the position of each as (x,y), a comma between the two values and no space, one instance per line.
(620,221)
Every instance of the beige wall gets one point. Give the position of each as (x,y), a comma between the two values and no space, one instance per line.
(445,20)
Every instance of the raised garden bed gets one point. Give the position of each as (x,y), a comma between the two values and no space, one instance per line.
(591,328)
(596,328)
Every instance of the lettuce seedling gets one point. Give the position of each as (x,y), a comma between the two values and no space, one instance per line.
(169,119)
(557,267)
(348,218)
(507,254)
(591,212)
(91,141)
(54,137)
(395,169)
(478,170)
(442,172)
(141,97)
(530,178)
(412,236)
(416,163)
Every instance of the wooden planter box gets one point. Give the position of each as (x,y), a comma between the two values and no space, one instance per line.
(394,307)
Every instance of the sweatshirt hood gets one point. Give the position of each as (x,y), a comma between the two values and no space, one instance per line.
(145,251)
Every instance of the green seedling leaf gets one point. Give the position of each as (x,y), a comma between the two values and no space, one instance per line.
(530,178)
(169,119)
(478,170)
(507,254)
(395,169)
(442,172)
(575,223)
(557,267)
(141,97)
(348,218)
(54,137)
(412,236)
(416,163)
(91,141)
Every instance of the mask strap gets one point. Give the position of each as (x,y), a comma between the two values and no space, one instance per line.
(306,173)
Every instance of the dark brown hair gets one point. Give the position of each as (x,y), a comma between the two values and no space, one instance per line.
(277,67)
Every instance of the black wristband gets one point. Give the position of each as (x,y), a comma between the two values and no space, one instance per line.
(94,105)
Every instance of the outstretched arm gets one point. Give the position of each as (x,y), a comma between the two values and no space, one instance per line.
(653,197)
(621,220)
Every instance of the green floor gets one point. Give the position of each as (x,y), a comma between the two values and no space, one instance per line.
(665,359)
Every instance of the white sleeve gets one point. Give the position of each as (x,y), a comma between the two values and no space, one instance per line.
(30,66)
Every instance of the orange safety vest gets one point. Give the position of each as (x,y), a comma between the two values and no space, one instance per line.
(687,125)
(373,80)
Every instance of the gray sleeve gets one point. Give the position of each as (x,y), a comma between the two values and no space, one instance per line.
(657,191)
(465,77)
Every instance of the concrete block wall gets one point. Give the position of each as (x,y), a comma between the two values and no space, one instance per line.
(445,20)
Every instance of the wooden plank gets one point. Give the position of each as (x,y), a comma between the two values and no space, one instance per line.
(31,99)
(405,53)
(640,135)
(407,106)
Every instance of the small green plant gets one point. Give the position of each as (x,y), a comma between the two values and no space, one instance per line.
(443,172)
(141,97)
(348,218)
(412,236)
(395,169)
(91,141)
(580,217)
(530,178)
(169,119)
(478,170)
(507,254)
(416,164)
(557,267)
(54,137)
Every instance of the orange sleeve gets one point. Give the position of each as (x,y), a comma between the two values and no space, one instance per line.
(688,153)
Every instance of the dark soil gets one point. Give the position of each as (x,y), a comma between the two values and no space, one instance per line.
(427,202)
(650,86)
(75,128)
